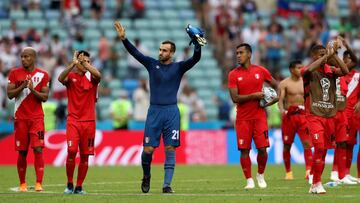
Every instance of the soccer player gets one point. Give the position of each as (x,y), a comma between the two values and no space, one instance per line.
(352,106)
(245,85)
(291,106)
(163,115)
(320,106)
(81,80)
(29,86)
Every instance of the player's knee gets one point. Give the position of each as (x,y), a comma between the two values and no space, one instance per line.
(287,147)
(341,144)
(169,148)
(262,151)
(306,145)
(148,149)
(72,151)
(23,153)
(38,150)
(245,153)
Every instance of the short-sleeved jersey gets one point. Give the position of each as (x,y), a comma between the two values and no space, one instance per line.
(353,93)
(27,106)
(248,81)
(81,101)
(320,91)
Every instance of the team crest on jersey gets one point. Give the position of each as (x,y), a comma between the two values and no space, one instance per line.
(74,80)
(157,66)
(147,139)
(257,76)
(240,78)
(316,136)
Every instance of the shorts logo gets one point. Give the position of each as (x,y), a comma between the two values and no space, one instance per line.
(70,143)
(17,143)
(240,78)
(316,136)
(257,76)
(147,139)
(241,141)
(286,137)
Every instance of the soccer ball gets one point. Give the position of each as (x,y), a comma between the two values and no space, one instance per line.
(269,95)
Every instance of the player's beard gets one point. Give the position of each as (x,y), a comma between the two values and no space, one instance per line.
(163,59)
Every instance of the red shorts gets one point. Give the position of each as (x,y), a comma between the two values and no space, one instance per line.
(341,127)
(29,132)
(295,122)
(321,131)
(248,129)
(354,127)
(81,135)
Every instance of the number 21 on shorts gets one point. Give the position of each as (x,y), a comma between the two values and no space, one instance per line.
(175,135)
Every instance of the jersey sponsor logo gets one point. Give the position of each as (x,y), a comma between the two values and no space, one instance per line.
(257,76)
(325,85)
(240,78)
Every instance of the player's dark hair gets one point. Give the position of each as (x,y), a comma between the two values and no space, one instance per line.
(346,53)
(316,48)
(84,52)
(294,63)
(172,44)
(246,45)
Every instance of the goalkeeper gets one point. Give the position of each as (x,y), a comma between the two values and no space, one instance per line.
(245,87)
(163,114)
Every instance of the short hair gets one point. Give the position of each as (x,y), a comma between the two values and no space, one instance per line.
(172,45)
(84,52)
(246,45)
(347,52)
(316,48)
(294,63)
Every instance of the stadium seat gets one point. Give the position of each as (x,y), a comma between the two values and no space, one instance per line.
(17,14)
(5,24)
(142,24)
(52,14)
(170,14)
(183,4)
(106,24)
(153,14)
(208,125)
(187,14)
(136,125)
(35,15)
(115,84)
(130,85)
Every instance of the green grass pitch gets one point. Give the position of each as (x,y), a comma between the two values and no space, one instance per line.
(191,184)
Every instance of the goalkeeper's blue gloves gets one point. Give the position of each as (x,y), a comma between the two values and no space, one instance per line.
(196,34)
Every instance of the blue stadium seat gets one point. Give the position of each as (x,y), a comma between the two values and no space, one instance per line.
(130,85)
(35,15)
(17,14)
(208,125)
(52,14)
(136,125)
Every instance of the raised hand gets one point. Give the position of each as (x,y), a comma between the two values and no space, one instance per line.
(29,83)
(120,30)
(75,58)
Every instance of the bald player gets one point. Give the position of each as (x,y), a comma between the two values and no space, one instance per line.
(29,86)
(291,106)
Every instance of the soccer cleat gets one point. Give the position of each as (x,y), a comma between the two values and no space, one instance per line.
(307,174)
(168,189)
(69,189)
(249,184)
(289,176)
(38,187)
(23,187)
(347,181)
(79,190)
(145,184)
(310,180)
(261,180)
(317,188)
(352,178)
(334,176)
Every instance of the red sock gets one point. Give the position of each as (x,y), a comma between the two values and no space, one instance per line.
(341,162)
(21,168)
(308,157)
(358,164)
(262,159)
(287,160)
(246,166)
(349,155)
(82,170)
(318,165)
(335,166)
(70,166)
(39,167)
